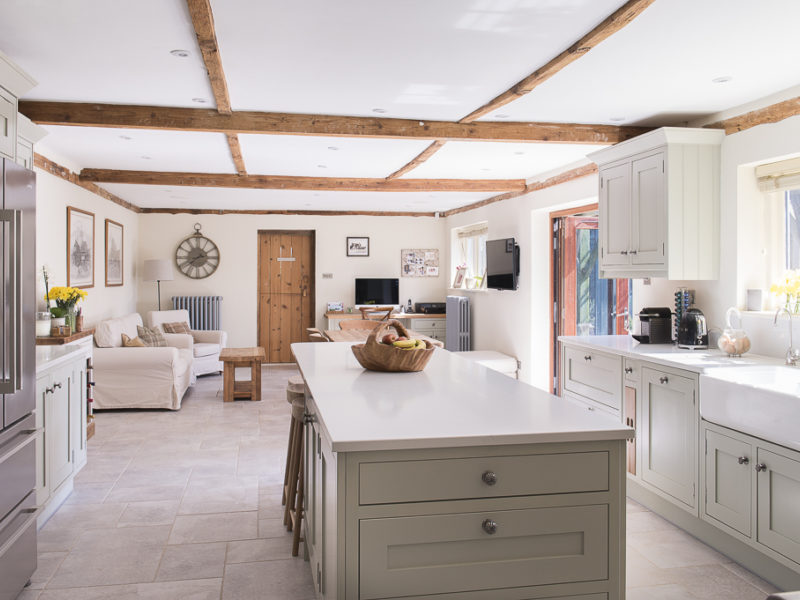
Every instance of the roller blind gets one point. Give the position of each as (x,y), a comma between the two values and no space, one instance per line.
(782,175)
(473,230)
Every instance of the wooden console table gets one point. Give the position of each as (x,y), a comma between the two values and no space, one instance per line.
(242,357)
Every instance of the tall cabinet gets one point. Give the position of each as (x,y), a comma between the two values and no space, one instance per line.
(659,205)
(17,133)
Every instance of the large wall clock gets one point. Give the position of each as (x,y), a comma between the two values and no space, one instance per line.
(197,256)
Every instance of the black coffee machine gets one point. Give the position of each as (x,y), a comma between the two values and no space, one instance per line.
(692,330)
(656,326)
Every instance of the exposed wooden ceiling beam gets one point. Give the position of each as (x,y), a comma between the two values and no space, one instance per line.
(198,119)
(236,153)
(52,167)
(769,114)
(418,160)
(564,177)
(619,19)
(282,182)
(315,213)
(203,21)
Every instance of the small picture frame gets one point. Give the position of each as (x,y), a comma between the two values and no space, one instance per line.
(459,278)
(80,248)
(114,253)
(357,246)
(335,307)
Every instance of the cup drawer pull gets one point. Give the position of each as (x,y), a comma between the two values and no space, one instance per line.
(489,477)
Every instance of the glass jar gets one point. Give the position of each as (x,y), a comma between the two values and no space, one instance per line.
(43,324)
(69,318)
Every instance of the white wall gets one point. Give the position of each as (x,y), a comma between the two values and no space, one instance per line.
(518,322)
(236,278)
(53,195)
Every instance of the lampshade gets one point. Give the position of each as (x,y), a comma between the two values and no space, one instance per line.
(157,270)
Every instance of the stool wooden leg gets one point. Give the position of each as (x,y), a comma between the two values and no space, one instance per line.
(297,513)
(287,470)
(227,382)
(255,377)
(291,491)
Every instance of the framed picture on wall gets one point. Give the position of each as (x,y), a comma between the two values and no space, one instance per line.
(80,248)
(114,253)
(358,246)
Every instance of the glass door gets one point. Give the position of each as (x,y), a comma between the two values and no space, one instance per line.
(583,304)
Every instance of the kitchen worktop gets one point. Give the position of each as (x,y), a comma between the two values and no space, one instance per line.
(49,357)
(668,355)
(454,402)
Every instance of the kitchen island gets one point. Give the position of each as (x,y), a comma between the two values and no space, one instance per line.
(457,482)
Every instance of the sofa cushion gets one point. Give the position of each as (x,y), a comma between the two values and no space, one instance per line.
(108,333)
(179,327)
(151,337)
(205,349)
(132,342)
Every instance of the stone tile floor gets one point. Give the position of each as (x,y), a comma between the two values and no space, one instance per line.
(186,505)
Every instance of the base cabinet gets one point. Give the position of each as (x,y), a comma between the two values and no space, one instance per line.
(752,489)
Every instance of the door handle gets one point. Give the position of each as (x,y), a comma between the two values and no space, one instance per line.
(11,221)
(664,379)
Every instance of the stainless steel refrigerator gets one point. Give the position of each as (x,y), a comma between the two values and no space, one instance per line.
(17,378)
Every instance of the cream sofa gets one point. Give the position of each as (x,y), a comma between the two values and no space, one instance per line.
(139,377)
(207,343)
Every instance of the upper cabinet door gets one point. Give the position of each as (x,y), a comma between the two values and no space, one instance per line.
(649,210)
(615,209)
(8,124)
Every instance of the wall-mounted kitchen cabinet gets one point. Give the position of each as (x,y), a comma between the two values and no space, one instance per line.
(659,205)
(14,83)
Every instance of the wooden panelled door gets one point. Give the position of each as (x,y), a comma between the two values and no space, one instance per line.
(285,291)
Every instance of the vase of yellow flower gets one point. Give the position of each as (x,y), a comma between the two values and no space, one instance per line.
(65,298)
(789,288)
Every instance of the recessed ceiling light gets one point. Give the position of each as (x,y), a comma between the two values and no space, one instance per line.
(125,137)
(334,148)
(145,157)
(199,100)
(519,152)
(380,111)
(179,53)
(322,166)
(722,79)
(502,116)
(307,204)
(485,169)
(616,119)
(316,194)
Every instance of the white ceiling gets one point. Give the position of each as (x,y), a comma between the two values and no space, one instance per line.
(417,59)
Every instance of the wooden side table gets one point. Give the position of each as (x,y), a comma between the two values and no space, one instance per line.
(242,357)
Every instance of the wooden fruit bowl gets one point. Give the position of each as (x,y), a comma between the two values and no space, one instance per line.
(375,356)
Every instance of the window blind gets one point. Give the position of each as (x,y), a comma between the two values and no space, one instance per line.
(473,230)
(782,175)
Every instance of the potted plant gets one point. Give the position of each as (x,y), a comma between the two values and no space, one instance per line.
(66,299)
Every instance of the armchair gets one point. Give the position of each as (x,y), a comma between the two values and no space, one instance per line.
(207,343)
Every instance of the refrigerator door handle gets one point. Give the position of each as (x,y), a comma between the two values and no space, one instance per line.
(11,221)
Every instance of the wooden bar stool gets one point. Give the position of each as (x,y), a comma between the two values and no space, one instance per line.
(294,489)
(295,390)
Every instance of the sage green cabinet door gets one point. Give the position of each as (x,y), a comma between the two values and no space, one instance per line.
(729,473)
(615,219)
(59,418)
(669,435)
(8,124)
(436,554)
(649,210)
(778,484)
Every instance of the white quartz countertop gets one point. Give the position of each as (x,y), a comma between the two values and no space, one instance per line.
(454,402)
(50,357)
(669,355)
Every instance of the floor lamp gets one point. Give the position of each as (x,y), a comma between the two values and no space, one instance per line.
(157,270)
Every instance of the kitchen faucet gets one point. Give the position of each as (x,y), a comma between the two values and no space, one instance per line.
(792,354)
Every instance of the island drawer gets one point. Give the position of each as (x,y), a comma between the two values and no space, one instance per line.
(450,553)
(482,477)
(596,375)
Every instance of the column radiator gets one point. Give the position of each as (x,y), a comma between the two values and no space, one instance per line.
(458,332)
(204,311)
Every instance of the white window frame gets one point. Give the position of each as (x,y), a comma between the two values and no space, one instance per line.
(468,248)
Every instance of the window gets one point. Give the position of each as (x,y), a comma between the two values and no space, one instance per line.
(793,229)
(469,251)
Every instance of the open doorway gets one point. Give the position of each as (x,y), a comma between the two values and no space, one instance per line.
(583,304)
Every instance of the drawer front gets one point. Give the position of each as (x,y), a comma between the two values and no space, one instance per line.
(632,370)
(591,404)
(484,477)
(436,554)
(594,375)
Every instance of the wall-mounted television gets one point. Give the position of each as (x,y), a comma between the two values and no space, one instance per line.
(502,264)
(378,291)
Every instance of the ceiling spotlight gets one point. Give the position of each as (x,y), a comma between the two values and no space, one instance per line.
(322,166)
(502,116)
(334,148)
(485,169)
(616,119)
(380,111)
(179,53)
(199,100)
(125,137)
(723,79)
(145,157)
(519,152)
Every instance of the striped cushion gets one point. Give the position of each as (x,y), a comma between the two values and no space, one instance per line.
(179,327)
(151,337)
